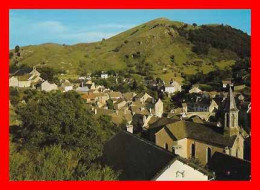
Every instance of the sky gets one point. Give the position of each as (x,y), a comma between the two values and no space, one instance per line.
(31,27)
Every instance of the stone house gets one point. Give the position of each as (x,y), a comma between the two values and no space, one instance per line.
(172,87)
(115,95)
(46,86)
(23,79)
(66,86)
(201,105)
(104,75)
(120,103)
(101,98)
(142,97)
(89,97)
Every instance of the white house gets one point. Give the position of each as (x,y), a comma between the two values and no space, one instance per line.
(181,170)
(67,86)
(23,79)
(46,86)
(172,88)
(104,75)
(17,81)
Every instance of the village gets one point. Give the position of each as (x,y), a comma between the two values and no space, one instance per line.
(201,135)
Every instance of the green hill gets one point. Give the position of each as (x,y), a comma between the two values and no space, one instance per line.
(165,48)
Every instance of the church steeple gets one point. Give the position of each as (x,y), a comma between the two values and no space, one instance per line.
(231,115)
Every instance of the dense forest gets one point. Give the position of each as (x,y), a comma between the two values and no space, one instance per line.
(220,37)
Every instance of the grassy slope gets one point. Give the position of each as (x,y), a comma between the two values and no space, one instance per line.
(154,44)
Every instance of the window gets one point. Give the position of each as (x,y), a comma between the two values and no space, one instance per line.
(208,154)
(193,151)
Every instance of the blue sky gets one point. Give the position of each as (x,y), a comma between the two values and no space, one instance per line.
(29,27)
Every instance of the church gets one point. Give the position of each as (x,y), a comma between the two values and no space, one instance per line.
(199,141)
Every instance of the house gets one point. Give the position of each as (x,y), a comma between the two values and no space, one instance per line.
(120,103)
(18,81)
(226,83)
(158,108)
(142,97)
(200,141)
(195,89)
(101,98)
(46,86)
(229,168)
(172,87)
(138,159)
(201,105)
(24,78)
(104,75)
(89,97)
(66,86)
(115,95)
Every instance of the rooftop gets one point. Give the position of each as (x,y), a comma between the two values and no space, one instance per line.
(206,133)
(135,157)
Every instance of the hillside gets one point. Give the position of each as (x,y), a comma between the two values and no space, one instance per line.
(165,48)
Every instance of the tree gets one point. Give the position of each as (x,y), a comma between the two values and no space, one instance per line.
(110,104)
(17,49)
(56,118)
(55,163)
(59,139)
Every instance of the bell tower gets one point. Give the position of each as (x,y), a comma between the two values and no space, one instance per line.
(231,115)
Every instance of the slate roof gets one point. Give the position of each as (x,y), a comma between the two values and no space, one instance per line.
(230,102)
(115,94)
(24,77)
(82,89)
(227,167)
(140,95)
(201,132)
(136,158)
(129,96)
(161,122)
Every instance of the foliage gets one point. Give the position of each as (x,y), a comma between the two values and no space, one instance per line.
(55,163)
(220,37)
(17,49)
(59,139)
(110,104)
(49,74)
